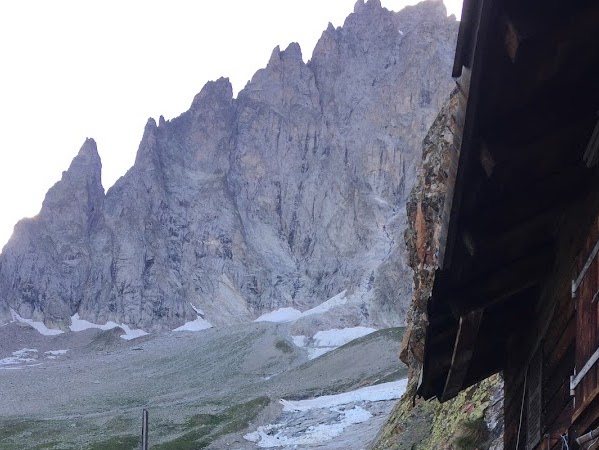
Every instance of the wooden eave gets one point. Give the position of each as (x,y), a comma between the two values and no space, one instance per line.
(529,102)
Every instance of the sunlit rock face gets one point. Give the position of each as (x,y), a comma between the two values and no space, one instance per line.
(46,267)
(284,196)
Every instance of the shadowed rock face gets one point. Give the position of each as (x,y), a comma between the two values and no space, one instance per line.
(285,196)
(416,423)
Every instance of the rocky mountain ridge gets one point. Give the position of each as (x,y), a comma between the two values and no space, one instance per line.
(284,196)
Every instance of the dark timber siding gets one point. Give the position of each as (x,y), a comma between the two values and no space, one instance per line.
(570,340)
(558,364)
(586,411)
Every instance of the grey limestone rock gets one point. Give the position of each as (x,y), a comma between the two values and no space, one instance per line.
(46,266)
(284,196)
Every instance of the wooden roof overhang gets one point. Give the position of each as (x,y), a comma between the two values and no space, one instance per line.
(528,75)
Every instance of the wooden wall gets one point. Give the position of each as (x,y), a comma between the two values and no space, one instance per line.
(557,365)
(586,408)
(571,337)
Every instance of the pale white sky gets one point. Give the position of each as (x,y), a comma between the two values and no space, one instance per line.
(71,69)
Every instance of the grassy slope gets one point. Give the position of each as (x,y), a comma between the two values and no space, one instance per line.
(426,425)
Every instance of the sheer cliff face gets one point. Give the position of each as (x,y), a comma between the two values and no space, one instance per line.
(285,196)
(415,423)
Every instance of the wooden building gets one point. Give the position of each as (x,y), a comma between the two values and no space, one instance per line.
(517,289)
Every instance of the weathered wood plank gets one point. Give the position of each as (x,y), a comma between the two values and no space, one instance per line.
(558,352)
(586,418)
(564,313)
(462,353)
(591,395)
(557,375)
(561,423)
(586,316)
(534,404)
(558,403)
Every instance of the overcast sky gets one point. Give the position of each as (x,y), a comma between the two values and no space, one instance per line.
(72,69)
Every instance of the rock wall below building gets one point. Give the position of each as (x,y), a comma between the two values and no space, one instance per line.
(472,420)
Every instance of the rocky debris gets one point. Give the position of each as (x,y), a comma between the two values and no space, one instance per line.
(284,196)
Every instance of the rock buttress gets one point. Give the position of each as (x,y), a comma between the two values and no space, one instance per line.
(474,416)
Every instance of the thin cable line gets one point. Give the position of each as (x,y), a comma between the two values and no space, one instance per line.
(522,408)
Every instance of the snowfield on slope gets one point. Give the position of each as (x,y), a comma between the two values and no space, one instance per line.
(78,324)
(199,324)
(328,340)
(316,422)
(323,341)
(19,358)
(39,326)
(291,314)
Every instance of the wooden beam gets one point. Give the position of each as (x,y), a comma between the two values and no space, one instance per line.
(486,160)
(469,243)
(506,244)
(512,40)
(544,50)
(462,353)
(560,147)
(525,200)
(503,282)
(563,27)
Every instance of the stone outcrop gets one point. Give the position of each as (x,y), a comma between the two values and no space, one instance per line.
(46,266)
(284,196)
(474,418)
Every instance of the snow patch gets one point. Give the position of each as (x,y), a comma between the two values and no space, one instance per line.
(197,310)
(314,353)
(280,315)
(195,325)
(329,340)
(291,314)
(379,199)
(131,333)
(319,420)
(338,337)
(273,435)
(24,352)
(331,303)
(299,341)
(18,358)
(39,326)
(55,354)
(78,324)
(198,324)
(377,393)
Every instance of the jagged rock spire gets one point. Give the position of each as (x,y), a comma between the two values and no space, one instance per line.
(284,196)
(360,5)
(81,182)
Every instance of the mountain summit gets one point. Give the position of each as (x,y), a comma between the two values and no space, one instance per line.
(285,196)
